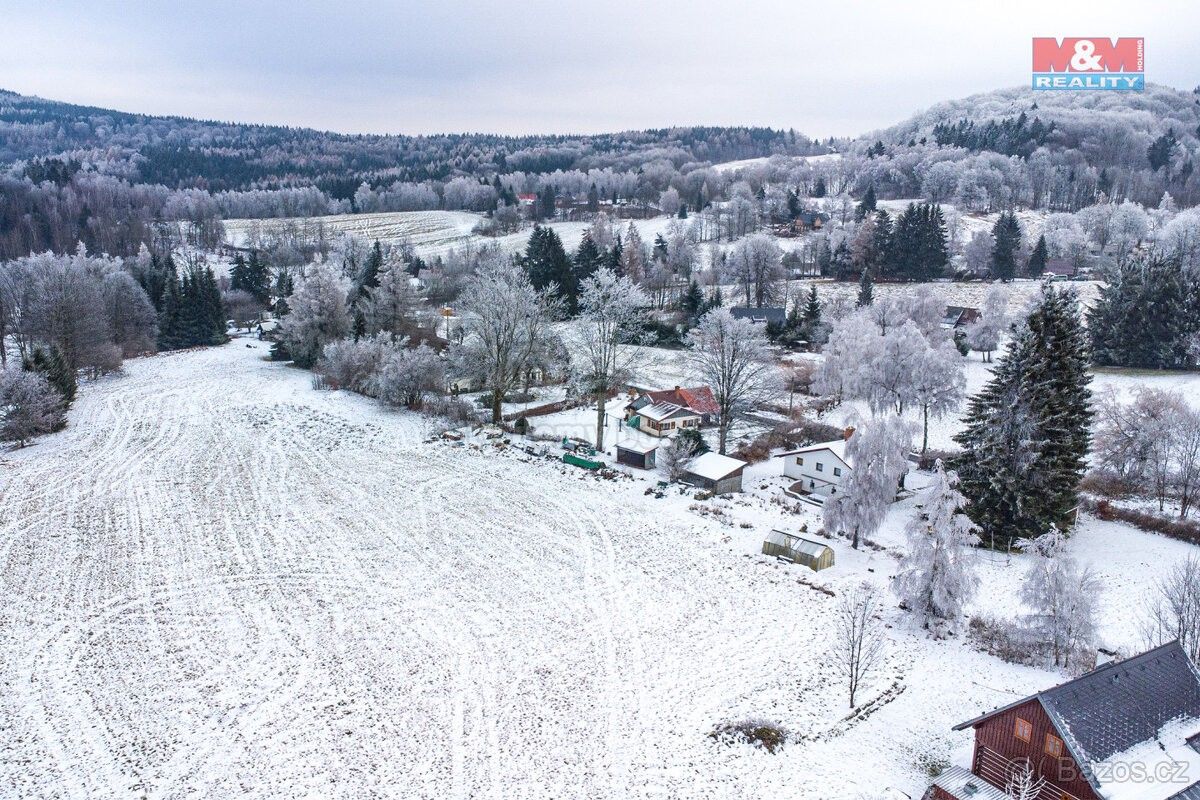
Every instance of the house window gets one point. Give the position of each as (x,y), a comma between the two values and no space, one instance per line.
(820,467)
(799,461)
(1054,745)
(837,472)
(1023,730)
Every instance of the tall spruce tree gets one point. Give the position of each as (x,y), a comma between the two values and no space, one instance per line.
(284,286)
(1145,316)
(1040,254)
(1006,238)
(866,291)
(867,204)
(548,265)
(1026,434)
(588,259)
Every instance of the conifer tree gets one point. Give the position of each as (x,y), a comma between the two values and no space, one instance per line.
(1006,236)
(49,361)
(819,189)
(239,280)
(614,259)
(548,265)
(1037,259)
(693,300)
(866,291)
(1026,434)
(867,204)
(588,259)
(1145,316)
(284,286)
(810,318)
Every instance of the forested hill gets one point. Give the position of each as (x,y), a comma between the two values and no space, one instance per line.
(1056,149)
(180,153)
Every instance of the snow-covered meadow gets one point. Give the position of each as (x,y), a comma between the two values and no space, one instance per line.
(218,581)
(430,233)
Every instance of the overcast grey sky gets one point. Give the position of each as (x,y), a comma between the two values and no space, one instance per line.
(556,65)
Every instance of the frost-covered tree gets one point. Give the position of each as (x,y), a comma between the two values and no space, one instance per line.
(318,312)
(29,406)
(353,364)
(1145,315)
(390,305)
(983,336)
(1061,597)
(937,577)
(132,321)
(731,356)
(756,265)
(1027,433)
(633,254)
(938,385)
(877,454)
(1174,608)
(859,637)
(606,341)
(507,322)
(409,375)
(674,456)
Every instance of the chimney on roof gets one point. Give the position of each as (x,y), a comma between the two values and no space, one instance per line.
(677,388)
(846,434)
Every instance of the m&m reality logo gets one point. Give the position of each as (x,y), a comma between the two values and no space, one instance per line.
(1083,63)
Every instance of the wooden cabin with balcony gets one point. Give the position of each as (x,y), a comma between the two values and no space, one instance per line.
(1127,730)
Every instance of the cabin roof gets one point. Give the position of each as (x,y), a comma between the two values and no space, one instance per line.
(1119,705)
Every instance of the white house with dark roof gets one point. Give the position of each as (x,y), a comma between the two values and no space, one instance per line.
(818,470)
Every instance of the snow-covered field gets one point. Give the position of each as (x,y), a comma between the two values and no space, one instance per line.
(218,581)
(431,233)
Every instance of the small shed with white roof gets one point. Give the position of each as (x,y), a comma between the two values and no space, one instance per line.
(717,473)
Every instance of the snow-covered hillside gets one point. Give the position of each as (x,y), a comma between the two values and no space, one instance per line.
(431,233)
(221,582)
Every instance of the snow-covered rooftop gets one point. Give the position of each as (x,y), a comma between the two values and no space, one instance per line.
(714,466)
(661,411)
(838,448)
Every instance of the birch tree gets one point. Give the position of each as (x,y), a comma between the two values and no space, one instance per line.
(1062,598)
(877,457)
(938,385)
(731,357)
(984,335)
(606,341)
(936,577)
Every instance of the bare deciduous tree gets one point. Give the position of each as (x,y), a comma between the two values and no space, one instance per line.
(606,343)
(732,358)
(1174,611)
(859,639)
(1023,783)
